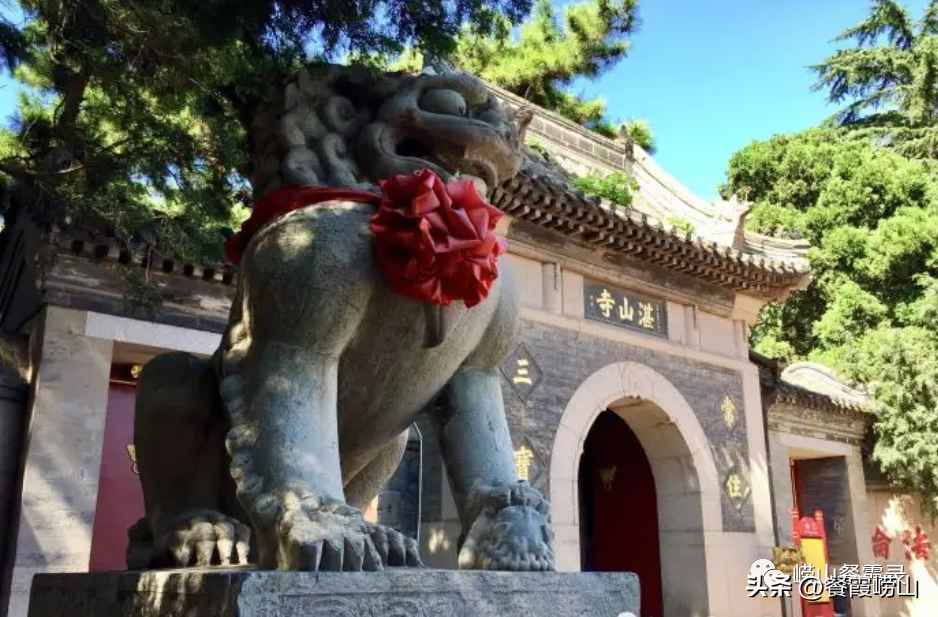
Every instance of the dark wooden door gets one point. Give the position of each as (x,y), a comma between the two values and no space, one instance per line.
(619,509)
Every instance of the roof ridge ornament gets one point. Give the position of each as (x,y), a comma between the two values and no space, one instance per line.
(733,221)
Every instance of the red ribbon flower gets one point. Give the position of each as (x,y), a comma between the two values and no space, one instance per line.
(436,243)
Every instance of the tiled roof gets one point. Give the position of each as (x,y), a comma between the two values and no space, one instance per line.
(542,193)
(809,393)
(543,198)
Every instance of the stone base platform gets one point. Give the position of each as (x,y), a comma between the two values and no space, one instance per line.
(394,593)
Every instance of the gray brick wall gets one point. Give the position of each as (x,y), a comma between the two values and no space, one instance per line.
(566,358)
(824,487)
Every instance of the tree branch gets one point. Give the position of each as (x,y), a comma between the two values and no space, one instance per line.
(71,103)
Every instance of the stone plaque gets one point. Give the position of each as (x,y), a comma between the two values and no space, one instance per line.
(521,371)
(736,487)
(625,309)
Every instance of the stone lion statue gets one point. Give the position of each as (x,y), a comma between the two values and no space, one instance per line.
(267,452)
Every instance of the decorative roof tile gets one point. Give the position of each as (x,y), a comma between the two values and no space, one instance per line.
(547,200)
(810,385)
(772,266)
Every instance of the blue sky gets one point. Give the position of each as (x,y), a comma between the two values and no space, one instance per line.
(710,76)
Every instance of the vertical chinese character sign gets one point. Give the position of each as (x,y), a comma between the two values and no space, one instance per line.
(523,458)
(522,372)
(625,309)
(528,464)
(730,416)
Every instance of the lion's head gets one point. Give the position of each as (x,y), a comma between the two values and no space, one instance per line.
(352,127)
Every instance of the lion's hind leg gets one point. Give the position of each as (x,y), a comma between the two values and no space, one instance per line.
(192,517)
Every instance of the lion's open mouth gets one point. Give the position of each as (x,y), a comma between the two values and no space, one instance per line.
(453,161)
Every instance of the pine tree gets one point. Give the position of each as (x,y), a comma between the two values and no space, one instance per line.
(890,79)
(134,111)
(547,55)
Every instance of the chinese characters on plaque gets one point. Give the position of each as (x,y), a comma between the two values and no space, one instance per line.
(734,486)
(523,458)
(915,542)
(729,412)
(521,371)
(625,309)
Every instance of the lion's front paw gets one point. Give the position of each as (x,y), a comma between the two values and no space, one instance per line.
(511,531)
(331,537)
(202,539)
(395,548)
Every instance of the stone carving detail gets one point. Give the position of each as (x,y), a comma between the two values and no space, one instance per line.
(349,127)
(273,446)
(355,606)
(511,530)
(394,593)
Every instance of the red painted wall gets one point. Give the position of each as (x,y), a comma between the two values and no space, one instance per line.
(120,499)
(620,512)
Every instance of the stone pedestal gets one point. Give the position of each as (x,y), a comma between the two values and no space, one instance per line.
(395,593)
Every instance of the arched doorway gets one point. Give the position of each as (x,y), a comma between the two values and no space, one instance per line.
(686,488)
(619,509)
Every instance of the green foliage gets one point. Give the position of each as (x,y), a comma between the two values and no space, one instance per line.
(141,297)
(542,59)
(900,365)
(548,54)
(889,80)
(639,132)
(871,216)
(134,113)
(864,191)
(539,148)
(682,224)
(617,187)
